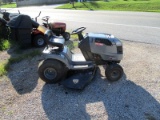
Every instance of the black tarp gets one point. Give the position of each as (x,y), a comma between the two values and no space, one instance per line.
(21,27)
(3,29)
(22,21)
(3,22)
(6,16)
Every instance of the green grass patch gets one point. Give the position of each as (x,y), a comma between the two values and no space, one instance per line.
(118,5)
(74,36)
(4,67)
(72,44)
(9,5)
(24,56)
(4,44)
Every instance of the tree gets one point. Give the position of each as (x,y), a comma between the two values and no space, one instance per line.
(7,1)
(72,2)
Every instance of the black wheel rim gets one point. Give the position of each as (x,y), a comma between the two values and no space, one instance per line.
(115,74)
(40,41)
(50,73)
(67,36)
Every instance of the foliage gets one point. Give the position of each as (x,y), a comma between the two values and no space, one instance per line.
(122,5)
(8,5)
(7,1)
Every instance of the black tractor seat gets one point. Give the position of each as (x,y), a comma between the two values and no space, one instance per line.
(54,41)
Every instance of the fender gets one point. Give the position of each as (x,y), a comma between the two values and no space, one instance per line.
(59,56)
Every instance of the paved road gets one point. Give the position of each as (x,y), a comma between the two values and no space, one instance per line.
(133,26)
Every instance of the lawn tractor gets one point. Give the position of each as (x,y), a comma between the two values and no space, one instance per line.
(76,71)
(58,28)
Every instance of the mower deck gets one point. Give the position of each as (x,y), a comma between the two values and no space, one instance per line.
(80,79)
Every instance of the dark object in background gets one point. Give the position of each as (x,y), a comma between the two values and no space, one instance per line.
(21,28)
(3,22)
(6,16)
(3,29)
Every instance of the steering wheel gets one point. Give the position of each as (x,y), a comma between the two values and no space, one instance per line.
(78,30)
(45,18)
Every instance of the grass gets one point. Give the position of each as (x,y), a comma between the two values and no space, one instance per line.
(4,44)
(72,44)
(118,5)
(24,56)
(9,5)
(74,36)
(4,67)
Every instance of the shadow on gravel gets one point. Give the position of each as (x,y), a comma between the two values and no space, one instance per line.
(23,75)
(121,100)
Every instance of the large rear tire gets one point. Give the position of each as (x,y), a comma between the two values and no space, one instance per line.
(113,72)
(51,71)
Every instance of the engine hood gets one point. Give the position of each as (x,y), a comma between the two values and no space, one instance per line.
(105,36)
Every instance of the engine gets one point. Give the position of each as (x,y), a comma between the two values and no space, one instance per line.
(101,47)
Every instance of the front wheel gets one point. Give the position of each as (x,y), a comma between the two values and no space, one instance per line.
(39,41)
(51,71)
(66,36)
(114,72)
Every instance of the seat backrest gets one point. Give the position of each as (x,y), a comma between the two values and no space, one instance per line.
(54,41)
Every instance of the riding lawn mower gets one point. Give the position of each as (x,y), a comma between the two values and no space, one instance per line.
(27,36)
(58,28)
(71,70)
(75,71)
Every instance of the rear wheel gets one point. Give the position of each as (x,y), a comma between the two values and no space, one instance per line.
(66,36)
(51,71)
(39,41)
(113,72)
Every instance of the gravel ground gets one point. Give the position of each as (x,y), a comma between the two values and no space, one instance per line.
(135,97)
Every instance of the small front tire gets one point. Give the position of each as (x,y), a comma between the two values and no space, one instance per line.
(39,41)
(66,36)
(113,72)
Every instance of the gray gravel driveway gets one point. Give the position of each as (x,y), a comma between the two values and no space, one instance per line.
(135,97)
